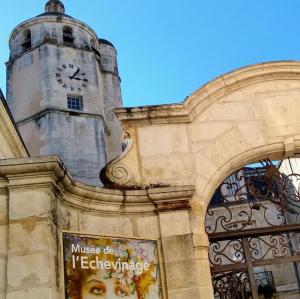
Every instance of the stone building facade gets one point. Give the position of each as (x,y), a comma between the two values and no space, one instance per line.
(152,190)
(62,87)
(237,119)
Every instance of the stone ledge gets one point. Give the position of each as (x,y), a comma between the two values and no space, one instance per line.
(50,172)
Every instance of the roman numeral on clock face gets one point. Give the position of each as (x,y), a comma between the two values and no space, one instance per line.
(71,77)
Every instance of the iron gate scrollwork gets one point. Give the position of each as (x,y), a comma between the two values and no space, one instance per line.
(253,225)
(231,285)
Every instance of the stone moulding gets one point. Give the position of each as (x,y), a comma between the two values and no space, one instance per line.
(50,172)
(58,110)
(208,93)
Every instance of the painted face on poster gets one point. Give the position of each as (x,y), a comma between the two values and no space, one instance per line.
(110,268)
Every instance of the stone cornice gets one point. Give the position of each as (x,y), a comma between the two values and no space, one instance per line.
(52,19)
(46,41)
(46,172)
(208,93)
(59,110)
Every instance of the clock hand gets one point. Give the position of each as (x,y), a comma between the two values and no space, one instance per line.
(77,79)
(72,77)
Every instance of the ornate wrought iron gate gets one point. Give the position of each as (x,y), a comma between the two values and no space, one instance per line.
(253,224)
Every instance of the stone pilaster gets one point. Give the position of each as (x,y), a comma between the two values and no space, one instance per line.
(32,245)
(182,270)
(3,236)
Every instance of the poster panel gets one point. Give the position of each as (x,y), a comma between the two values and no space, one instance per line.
(102,267)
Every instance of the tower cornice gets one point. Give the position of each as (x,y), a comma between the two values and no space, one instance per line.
(52,18)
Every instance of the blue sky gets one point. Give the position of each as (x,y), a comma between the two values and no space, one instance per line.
(169,48)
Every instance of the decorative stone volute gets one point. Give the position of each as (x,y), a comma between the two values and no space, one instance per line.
(115,173)
(54,6)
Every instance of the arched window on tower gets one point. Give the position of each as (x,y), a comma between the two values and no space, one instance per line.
(68,36)
(26,40)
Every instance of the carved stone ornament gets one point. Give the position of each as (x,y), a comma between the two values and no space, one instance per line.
(116,172)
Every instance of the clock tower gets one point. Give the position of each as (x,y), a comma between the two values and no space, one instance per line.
(62,87)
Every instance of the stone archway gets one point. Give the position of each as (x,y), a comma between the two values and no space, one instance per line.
(238,118)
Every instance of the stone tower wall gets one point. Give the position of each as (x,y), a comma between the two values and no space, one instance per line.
(86,139)
(112,96)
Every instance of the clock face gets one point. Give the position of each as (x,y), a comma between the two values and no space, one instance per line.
(71,77)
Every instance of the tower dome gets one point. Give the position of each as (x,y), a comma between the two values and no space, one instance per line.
(55,6)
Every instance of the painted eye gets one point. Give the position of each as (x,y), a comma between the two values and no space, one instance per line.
(98,291)
(121,292)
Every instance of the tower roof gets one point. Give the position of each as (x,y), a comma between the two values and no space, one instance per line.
(105,42)
(55,6)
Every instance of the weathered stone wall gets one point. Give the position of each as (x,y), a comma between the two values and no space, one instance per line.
(112,97)
(81,143)
(32,247)
(240,117)
(43,201)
